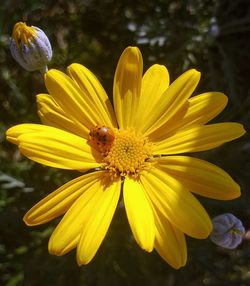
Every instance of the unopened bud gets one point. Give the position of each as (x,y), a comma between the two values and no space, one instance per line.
(228,231)
(30,47)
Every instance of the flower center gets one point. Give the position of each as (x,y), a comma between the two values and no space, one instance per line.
(128,155)
(23,33)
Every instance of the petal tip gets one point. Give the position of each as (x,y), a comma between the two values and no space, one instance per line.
(179,265)
(133,53)
(51,71)
(132,49)
(239,129)
(12,136)
(27,221)
(196,73)
(203,234)
(243,129)
(53,248)
(148,248)
(234,192)
(82,260)
(51,74)
(74,66)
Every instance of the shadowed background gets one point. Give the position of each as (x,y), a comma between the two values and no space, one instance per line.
(211,36)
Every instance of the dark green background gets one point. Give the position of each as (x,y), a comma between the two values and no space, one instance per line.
(211,36)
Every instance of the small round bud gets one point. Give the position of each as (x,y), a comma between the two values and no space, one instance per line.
(228,231)
(30,47)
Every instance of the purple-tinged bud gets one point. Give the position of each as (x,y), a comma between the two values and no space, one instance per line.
(228,231)
(30,47)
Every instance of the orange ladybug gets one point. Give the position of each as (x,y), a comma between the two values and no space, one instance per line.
(101,138)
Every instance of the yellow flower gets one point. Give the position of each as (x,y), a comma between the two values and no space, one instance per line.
(134,147)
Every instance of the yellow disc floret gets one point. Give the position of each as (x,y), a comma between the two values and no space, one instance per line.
(128,155)
(23,33)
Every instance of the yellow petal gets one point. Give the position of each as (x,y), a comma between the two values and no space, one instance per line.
(51,114)
(54,147)
(200,109)
(14,132)
(154,82)
(199,138)
(177,204)
(127,86)
(139,213)
(58,202)
(200,177)
(170,242)
(204,107)
(67,234)
(73,101)
(174,98)
(99,217)
(94,91)
(68,231)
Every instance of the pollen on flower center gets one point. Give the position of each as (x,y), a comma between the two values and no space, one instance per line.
(128,155)
(23,33)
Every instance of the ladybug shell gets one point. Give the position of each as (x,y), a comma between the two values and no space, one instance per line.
(101,138)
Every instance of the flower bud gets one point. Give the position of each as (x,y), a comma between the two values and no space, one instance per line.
(30,47)
(228,231)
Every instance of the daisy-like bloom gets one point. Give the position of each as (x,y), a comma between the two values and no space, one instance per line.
(30,47)
(134,148)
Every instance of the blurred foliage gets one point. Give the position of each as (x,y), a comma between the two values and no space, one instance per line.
(212,36)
